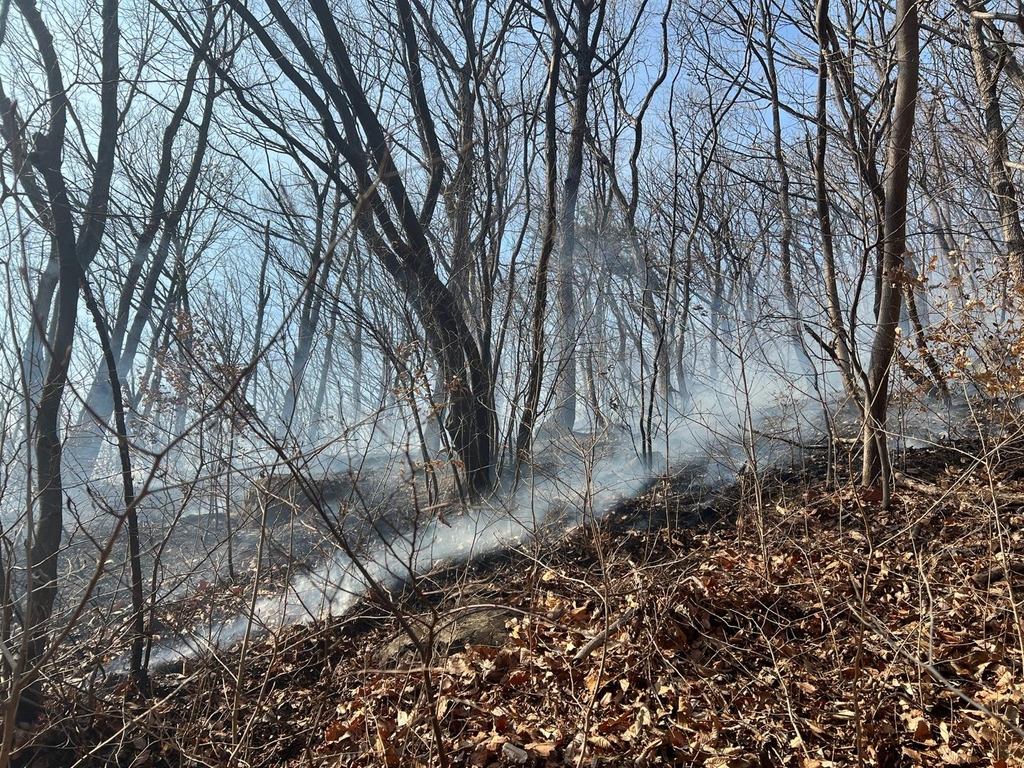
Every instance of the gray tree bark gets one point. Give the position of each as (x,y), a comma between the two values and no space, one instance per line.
(564,384)
(988,64)
(877,467)
(76,246)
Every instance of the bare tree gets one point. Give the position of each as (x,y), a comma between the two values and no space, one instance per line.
(75,236)
(989,62)
(877,466)
(154,247)
(388,219)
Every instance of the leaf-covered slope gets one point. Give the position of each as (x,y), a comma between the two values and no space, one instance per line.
(808,627)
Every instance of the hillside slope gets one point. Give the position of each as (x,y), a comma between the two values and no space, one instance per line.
(795,623)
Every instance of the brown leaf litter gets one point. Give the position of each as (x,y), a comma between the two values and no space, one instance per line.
(806,627)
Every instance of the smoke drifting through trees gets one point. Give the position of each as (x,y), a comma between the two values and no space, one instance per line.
(460,233)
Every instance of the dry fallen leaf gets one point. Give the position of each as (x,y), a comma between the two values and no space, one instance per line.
(542,749)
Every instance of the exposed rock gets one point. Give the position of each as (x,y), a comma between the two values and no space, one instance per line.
(452,633)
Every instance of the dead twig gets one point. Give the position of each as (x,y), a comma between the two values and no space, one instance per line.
(998,573)
(602,637)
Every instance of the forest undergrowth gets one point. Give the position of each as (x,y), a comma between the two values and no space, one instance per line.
(799,624)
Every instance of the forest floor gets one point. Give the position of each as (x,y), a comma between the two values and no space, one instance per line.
(790,621)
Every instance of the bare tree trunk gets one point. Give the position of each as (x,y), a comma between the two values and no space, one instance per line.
(136,305)
(75,250)
(185,336)
(793,320)
(718,318)
(937,381)
(864,145)
(470,191)
(840,349)
(877,467)
(653,285)
(314,291)
(325,373)
(524,437)
(1003,189)
(136,670)
(262,299)
(564,385)
(404,250)
(35,355)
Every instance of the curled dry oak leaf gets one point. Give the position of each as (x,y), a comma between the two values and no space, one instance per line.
(336,731)
(542,749)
